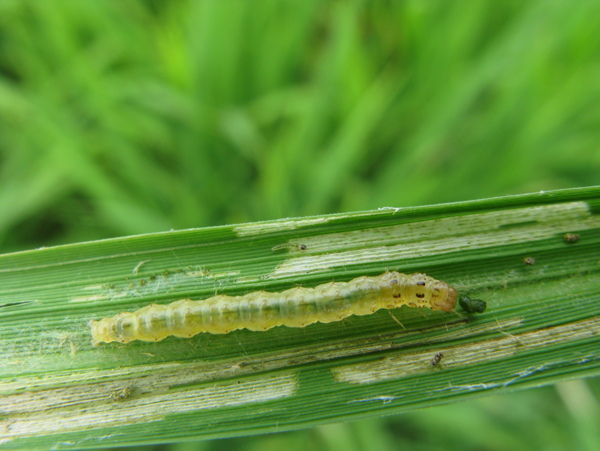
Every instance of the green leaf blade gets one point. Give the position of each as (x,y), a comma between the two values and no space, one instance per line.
(541,324)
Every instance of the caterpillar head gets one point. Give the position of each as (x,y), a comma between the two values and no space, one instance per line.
(446,301)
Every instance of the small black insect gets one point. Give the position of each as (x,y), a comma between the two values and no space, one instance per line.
(437,358)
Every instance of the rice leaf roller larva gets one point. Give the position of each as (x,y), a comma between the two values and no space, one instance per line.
(261,310)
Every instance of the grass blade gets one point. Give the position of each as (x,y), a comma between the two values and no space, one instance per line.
(541,324)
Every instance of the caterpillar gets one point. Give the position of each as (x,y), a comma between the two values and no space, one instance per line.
(261,310)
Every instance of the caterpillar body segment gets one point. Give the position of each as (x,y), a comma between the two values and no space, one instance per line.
(261,310)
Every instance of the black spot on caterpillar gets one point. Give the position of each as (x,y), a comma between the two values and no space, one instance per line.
(571,238)
(472,305)
(260,310)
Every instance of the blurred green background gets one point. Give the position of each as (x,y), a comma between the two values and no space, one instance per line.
(120,117)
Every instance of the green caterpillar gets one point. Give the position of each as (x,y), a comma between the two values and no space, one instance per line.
(261,310)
